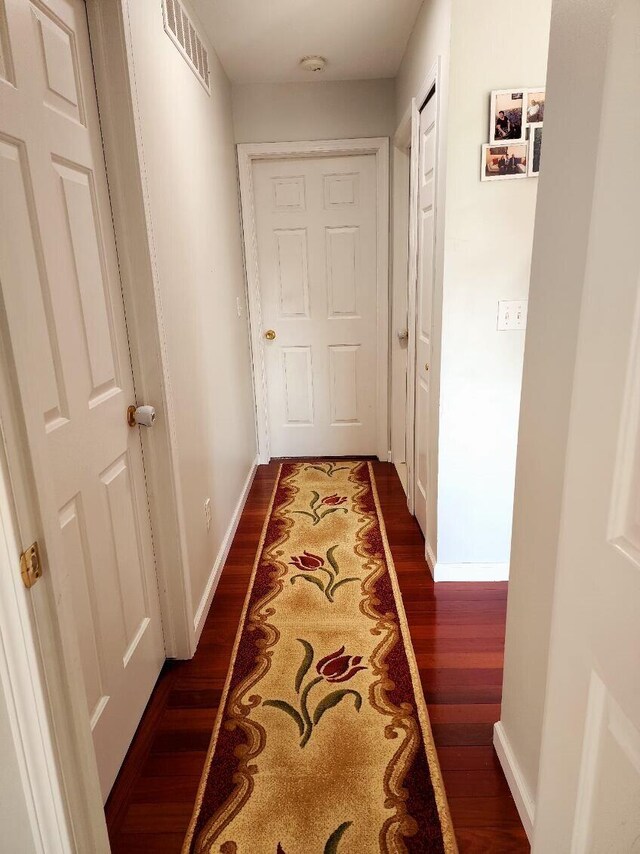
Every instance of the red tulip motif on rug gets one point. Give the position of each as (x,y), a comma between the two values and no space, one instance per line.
(322,743)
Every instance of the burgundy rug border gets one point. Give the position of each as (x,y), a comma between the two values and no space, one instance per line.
(217,781)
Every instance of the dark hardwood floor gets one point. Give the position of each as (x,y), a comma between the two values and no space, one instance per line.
(458,636)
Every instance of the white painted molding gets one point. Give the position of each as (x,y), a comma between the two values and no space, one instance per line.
(515,778)
(402,136)
(470,572)
(25,694)
(412,278)
(39,654)
(126,170)
(247,154)
(212,583)
(430,558)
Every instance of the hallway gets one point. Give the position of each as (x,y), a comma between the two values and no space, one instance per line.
(458,635)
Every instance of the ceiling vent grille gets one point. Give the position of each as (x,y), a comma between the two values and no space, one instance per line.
(182,32)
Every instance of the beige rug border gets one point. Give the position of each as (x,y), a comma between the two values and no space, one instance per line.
(448,836)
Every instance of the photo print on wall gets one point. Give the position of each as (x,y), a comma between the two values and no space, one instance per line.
(535,149)
(535,106)
(507,108)
(514,149)
(504,161)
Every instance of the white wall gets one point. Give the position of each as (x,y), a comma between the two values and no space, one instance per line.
(429,39)
(190,170)
(484,239)
(489,235)
(285,112)
(577,56)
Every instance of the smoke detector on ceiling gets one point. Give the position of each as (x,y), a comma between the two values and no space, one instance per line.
(313,63)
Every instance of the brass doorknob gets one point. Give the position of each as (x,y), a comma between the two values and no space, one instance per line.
(269,334)
(426,367)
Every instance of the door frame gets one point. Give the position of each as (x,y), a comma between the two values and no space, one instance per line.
(400,205)
(22,687)
(248,153)
(404,139)
(114,72)
(43,673)
(408,134)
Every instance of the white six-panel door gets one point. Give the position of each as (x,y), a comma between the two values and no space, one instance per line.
(64,311)
(316,226)
(424,300)
(589,784)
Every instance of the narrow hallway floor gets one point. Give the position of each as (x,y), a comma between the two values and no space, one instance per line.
(457,632)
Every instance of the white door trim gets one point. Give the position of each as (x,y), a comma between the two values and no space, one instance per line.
(23,689)
(400,207)
(247,154)
(43,663)
(114,69)
(432,79)
(524,801)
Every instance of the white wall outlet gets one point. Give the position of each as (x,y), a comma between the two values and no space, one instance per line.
(512,314)
(239,306)
(207,512)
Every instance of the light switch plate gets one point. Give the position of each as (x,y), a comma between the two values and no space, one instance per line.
(512,314)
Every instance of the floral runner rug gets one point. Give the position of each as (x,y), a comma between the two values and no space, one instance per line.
(322,743)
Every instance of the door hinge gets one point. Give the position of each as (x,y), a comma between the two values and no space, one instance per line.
(30,566)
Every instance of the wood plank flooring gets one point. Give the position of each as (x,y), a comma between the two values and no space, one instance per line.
(458,636)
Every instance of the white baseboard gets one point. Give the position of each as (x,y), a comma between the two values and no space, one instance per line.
(470,571)
(401,469)
(431,559)
(214,575)
(519,789)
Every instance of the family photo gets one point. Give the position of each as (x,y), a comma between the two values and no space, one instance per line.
(514,149)
(504,161)
(506,115)
(535,106)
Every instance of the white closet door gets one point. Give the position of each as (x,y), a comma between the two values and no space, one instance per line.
(316,221)
(424,301)
(63,303)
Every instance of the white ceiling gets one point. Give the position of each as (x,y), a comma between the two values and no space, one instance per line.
(264,40)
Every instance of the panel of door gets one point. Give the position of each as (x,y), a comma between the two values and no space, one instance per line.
(63,302)
(424,301)
(317,252)
(589,786)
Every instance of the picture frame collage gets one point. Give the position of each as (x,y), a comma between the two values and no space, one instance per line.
(514,150)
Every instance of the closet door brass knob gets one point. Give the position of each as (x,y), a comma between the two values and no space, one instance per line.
(269,334)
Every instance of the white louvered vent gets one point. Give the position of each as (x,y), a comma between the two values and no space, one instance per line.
(180,29)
